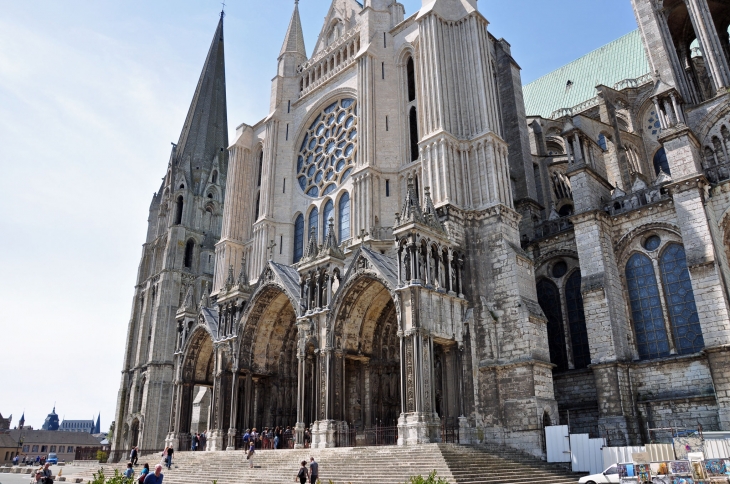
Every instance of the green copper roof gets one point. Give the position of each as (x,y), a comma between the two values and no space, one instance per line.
(624,58)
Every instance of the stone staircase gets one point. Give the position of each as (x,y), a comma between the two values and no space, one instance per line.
(356,465)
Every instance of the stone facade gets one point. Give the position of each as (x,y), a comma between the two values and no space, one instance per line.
(399,247)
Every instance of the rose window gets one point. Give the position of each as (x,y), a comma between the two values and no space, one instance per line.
(329,149)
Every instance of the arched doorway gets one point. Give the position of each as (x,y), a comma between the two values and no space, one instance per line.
(134,433)
(197,378)
(366,379)
(267,378)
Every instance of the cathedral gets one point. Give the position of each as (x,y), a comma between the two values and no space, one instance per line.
(411,246)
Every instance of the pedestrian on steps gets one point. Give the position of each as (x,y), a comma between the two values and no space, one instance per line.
(168,457)
(156,477)
(313,471)
(251,451)
(302,475)
(133,456)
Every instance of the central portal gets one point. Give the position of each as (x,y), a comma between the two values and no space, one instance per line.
(365,391)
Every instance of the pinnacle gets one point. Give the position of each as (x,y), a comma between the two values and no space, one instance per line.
(206,126)
(294,38)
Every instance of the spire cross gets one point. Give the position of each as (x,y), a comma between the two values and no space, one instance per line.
(223,9)
(270,247)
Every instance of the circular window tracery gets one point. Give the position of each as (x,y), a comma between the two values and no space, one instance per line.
(328,151)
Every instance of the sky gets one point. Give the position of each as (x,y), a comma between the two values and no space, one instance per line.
(91,96)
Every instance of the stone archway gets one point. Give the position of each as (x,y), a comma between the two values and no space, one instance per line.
(365,381)
(266,383)
(197,375)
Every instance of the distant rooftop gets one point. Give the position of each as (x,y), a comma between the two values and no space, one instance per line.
(574,83)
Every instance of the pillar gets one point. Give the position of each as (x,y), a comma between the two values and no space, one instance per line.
(704,27)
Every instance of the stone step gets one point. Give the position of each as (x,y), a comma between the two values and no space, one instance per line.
(359,465)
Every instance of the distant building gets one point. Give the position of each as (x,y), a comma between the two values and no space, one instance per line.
(8,448)
(87,426)
(5,422)
(43,442)
(51,422)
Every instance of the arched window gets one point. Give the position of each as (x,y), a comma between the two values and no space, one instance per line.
(646,308)
(411,77)
(577,322)
(343,213)
(214,178)
(602,142)
(660,162)
(189,248)
(313,223)
(327,213)
(258,206)
(298,238)
(548,297)
(680,300)
(261,167)
(179,210)
(413,130)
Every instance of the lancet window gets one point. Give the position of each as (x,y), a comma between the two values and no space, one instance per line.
(343,216)
(298,238)
(663,309)
(179,210)
(559,296)
(313,223)
(327,213)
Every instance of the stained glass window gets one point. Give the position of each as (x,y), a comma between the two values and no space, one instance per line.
(602,142)
(343,211)
(577,322)
(680,300)
(327,213)
(328,149)
(549,299)
(313,223)
(646,309)
(298,238)
(660,162)
(652,242)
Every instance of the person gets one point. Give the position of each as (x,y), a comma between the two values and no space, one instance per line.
(246,438)
(265,438)
(47,474)
(168,457)
(251,451)
(254,436)
(143,473)
(313,470)
(38,476)
(15,460)
(38,459)
(277,439)
(156,477)
(133,456)
(203,438)
(307,438)
(129,472)
(302,474)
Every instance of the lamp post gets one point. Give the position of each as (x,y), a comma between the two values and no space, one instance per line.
(19,443)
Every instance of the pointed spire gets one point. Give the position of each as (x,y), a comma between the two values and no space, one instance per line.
(330,246)
(205,132)
(188,304)
(204,296)
(243,276)
(411,211)
(311,250)
(294,38)
(429,212)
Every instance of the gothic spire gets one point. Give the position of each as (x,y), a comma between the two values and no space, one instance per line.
(294,38)
(205,132)
(411,211)
(243,275)
(312,249)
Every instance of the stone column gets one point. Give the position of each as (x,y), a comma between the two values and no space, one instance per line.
(704,27)
(301,385)
(234,412)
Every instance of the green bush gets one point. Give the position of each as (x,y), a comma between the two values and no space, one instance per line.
(101,456)
(431,479)
(118,478)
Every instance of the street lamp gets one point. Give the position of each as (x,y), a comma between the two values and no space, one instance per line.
(19,444)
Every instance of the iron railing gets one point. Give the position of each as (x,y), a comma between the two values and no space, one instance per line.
(380,435)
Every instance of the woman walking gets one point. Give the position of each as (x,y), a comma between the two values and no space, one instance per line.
(251,452)
(302,474)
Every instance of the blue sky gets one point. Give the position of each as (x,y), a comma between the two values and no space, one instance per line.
(91,95)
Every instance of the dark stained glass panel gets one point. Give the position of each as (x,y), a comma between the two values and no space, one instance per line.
(577,322)
(646,309)
(549,299)
(680,300)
